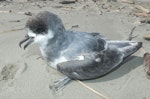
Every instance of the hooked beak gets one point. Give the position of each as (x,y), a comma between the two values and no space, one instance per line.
(27,39)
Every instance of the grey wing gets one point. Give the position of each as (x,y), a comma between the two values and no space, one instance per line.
(76,69)
(126,47)
(91,68)
(102,41)
(82,42)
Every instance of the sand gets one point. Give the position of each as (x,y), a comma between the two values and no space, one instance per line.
(24,74)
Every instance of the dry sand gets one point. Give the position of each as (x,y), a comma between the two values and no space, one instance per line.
(25,75)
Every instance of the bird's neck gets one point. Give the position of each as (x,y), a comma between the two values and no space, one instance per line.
(52,49)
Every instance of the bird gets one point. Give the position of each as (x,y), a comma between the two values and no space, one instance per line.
(77,55)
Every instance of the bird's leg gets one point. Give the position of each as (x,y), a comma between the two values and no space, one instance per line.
(68,68)
(58,85)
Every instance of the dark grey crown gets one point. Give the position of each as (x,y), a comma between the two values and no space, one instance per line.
(43,21)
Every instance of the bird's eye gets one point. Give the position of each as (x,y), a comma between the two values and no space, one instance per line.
(40,31)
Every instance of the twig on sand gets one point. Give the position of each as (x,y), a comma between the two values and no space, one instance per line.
(147,11)
(142,14)
(25,13)
(128,1)
(7,31)
(130,37)
(14,21)
(91,89)
(111,0)
(68,2)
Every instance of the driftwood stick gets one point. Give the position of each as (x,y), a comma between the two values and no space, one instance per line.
(68,2)
(147,11)
(142,14)
(7,31)
(25,13)
(131,34)
(91,89)
(128,1)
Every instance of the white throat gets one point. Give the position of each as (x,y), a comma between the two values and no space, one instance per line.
(41,39)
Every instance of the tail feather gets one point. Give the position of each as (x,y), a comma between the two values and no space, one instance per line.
(126,47)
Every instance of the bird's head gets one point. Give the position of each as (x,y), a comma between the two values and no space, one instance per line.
(42,28)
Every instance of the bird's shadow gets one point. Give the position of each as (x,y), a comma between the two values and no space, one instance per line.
(124,68)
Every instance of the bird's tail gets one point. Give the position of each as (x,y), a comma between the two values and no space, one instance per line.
(126,47)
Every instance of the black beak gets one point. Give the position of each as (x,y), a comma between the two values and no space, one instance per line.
(27,39)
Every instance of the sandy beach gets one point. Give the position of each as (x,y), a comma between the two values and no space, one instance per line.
(24,74)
